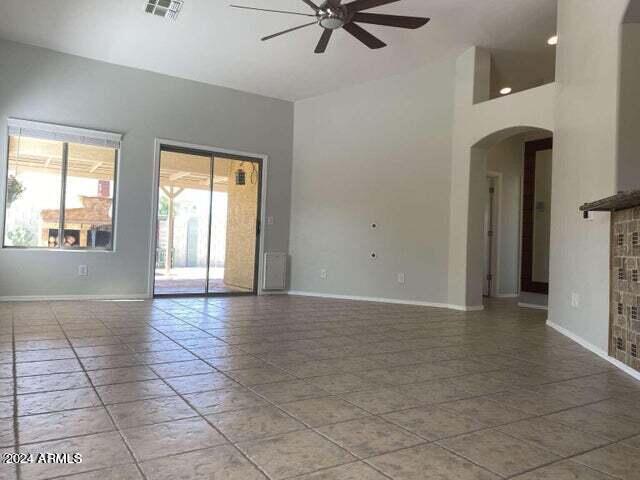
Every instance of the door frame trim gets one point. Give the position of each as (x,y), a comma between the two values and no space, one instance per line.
(263,159)
(497,247)
(531,148)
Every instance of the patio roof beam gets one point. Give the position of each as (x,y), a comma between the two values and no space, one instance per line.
(178,176)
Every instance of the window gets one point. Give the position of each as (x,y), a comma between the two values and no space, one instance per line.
(60,187)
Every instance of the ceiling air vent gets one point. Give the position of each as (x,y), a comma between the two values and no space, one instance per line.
(164,8)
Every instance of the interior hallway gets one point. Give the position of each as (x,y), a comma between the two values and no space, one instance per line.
(280,387)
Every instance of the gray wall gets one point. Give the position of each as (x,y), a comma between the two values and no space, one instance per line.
(629,115)
(41,85)
(584,164)
(378,152)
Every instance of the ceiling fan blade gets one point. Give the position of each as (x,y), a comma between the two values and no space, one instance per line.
(360,5)
(289,30)
(273,11)
(364,36)
(324,41)
(312,5)
(390,20)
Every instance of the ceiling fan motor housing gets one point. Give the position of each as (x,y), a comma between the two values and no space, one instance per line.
(332,18)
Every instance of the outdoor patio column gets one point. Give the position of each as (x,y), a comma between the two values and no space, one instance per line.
(171,194)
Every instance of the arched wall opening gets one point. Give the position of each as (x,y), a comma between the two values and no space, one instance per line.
(501,155)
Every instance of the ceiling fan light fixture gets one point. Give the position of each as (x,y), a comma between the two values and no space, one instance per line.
(332,22)
(332,19)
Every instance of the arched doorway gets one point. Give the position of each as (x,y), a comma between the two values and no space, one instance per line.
(508,248)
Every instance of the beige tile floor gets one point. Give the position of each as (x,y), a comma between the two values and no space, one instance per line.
(291,387)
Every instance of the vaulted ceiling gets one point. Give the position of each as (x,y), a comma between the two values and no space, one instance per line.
(213,43)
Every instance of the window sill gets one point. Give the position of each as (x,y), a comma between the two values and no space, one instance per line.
(59,250)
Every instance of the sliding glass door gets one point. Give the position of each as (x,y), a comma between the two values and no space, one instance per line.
(207,223)
(235,225)
(182,227)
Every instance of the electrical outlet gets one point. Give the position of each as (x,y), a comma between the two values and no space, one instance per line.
(83,270)
(401,278)
(269,220)
(575,300)
(323,274)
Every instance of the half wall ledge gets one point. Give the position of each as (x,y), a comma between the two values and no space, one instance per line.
(620,201)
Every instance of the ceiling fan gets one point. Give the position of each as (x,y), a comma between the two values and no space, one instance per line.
(332,15)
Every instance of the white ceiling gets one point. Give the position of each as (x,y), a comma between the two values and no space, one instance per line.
(213,43)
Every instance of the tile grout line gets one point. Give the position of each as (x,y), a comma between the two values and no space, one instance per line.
(561,458)
(428,442)
(302,380)
(77,358)
(198,414)
(14,368)
(274,405)
(314,429)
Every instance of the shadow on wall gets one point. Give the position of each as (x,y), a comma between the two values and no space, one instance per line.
(628,168)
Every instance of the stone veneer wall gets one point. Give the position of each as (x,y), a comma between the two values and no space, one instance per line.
(624,339)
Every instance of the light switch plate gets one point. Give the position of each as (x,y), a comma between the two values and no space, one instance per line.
(83,270)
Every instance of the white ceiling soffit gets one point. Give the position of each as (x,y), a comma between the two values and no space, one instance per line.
(213,43)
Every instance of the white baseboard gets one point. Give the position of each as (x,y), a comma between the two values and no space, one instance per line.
(506,295)
(139,296)
(598,351)
(53,298)
(533,305)
(462,308)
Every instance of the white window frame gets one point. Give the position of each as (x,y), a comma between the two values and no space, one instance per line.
(66,135)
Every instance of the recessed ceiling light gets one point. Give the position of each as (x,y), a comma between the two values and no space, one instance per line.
(164,8)
(505,91)
(553,40)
